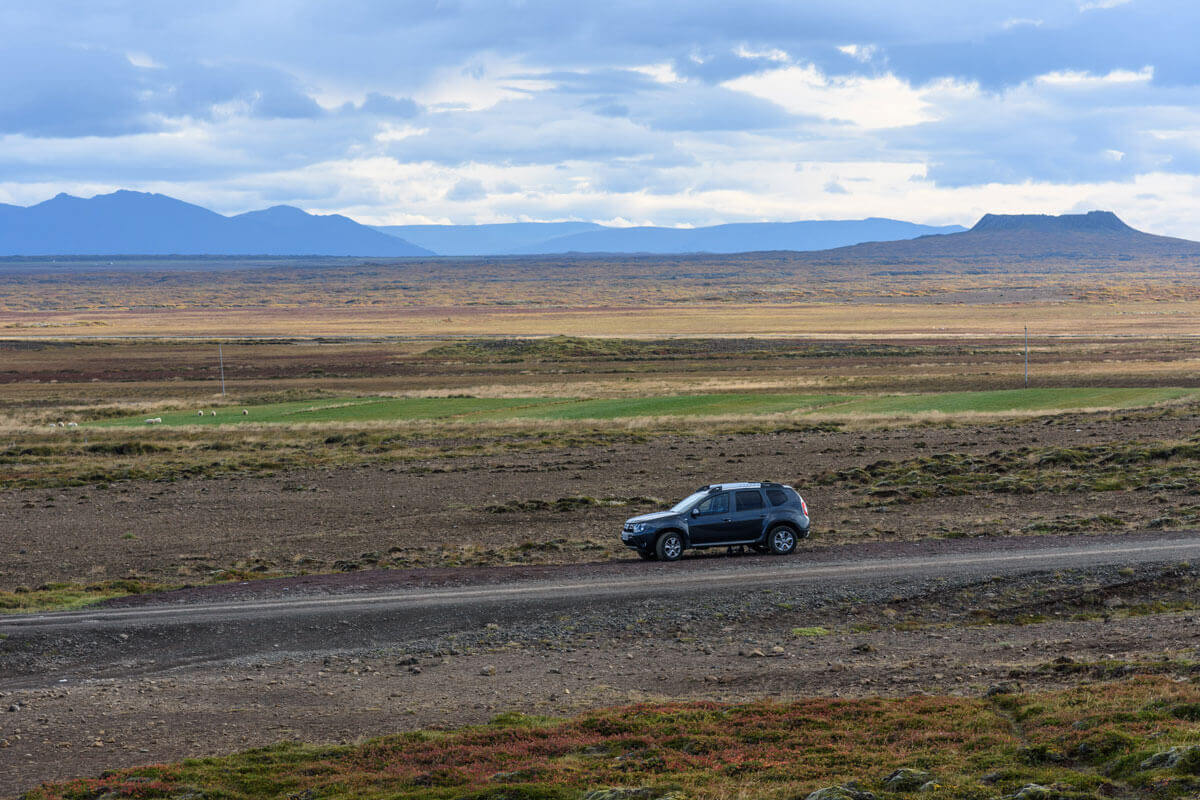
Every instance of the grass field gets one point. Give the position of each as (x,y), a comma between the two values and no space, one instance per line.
(1088,742)
(1010,400)
(376,409)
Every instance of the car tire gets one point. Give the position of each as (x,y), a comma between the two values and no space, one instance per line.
(648,555)
(669,546)
(781,540)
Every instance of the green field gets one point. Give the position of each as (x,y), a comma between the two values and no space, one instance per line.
(377,409)
(1011,400)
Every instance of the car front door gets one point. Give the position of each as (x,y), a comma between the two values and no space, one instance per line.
(711,520)
(749,513)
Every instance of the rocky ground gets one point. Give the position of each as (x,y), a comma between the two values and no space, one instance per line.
(555,505)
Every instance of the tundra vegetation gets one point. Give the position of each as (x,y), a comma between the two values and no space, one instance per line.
(1133,738)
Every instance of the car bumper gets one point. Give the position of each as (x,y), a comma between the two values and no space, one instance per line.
(637,541)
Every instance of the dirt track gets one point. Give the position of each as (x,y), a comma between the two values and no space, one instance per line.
(108,641)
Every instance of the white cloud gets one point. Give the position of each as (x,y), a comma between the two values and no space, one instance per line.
(1093,5)
(867,102)
(662,72)
(1087,80)
(860,52)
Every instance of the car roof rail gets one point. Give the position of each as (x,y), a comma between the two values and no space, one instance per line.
(770,483)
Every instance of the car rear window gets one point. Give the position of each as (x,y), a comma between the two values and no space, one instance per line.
(748,499)
(777,496)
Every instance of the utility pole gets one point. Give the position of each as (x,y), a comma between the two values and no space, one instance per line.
(221,359)
(1026,356)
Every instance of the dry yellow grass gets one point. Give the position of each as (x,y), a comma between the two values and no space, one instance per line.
(814,320)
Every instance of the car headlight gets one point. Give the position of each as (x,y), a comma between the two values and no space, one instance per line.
(640,527)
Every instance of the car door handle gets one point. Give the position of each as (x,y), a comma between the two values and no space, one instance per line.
(727,519)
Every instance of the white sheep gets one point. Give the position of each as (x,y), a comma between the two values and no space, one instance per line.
(72,424)
(214,413)
(153,420)
(245,413)
(199,413)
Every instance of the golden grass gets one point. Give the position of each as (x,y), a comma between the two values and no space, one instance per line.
(812,320)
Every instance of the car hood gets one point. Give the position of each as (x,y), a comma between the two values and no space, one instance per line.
(657,515)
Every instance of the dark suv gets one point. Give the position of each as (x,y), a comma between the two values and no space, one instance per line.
(768,517)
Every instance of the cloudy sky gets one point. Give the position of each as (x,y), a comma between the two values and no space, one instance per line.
(625,111)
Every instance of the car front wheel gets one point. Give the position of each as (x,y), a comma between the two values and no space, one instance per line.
(781,540)
(669,547)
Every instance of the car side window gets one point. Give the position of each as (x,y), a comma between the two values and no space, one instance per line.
(717,504)
(749,500)
(777,496)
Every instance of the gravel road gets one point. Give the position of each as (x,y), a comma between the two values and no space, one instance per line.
(145,639)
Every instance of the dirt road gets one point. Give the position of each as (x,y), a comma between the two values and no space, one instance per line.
(156,637)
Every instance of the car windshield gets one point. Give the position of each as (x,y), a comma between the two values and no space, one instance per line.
(690,500)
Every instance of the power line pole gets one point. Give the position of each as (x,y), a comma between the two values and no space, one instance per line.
(221,358)
(1026,356)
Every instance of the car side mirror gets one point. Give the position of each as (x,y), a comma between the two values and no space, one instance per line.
(695,512)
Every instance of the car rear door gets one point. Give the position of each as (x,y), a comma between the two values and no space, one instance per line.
(711,520)
(749,513)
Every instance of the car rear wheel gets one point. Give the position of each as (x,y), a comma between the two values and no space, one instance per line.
(669,547)
(781,539)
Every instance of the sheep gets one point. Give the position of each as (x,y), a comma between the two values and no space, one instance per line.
(153,420)
(199,413)
(245,413)
(72,424)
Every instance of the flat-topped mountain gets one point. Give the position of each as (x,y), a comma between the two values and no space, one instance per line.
(127,222)
(1091,222)
(1091,236)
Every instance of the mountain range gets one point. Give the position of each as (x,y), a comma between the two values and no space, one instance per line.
(138,223)
(153,224)
(542,238)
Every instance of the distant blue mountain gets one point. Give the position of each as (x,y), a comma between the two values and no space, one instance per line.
(128,223)
(743,237)
(530,238)
(137,223)
(486,240)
